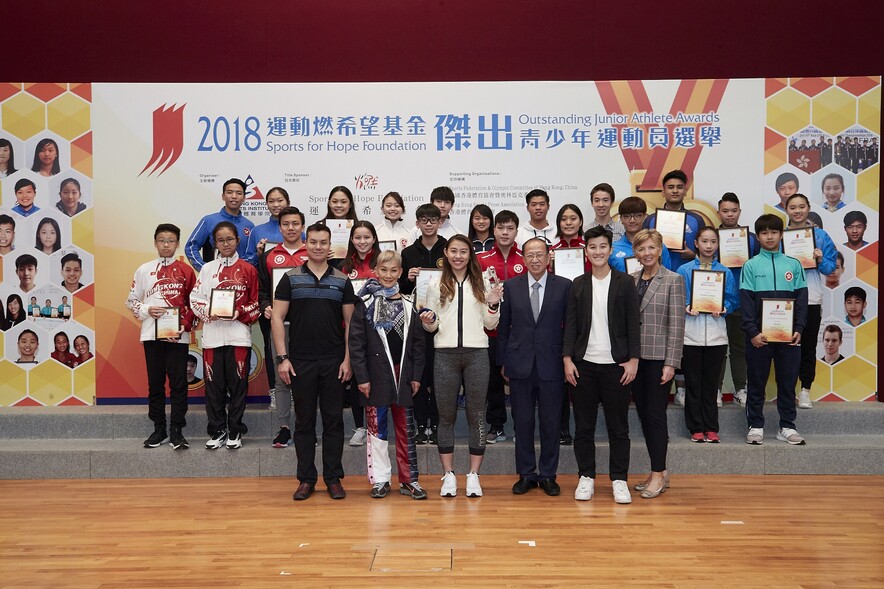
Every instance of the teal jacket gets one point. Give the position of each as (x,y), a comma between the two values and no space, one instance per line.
(771,275)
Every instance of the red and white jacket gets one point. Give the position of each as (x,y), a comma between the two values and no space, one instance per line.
(234,274)
(163,282)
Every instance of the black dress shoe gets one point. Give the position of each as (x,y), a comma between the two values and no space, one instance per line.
(550,487)
(523,485)
(336,490)
(304,490)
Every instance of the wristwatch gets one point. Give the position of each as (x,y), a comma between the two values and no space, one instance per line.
(281,358)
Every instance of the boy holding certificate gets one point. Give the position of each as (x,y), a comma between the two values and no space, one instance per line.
(160,299)
(675,187)
(773,299)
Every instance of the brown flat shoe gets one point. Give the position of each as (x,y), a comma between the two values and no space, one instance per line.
(336,491)
(304,490)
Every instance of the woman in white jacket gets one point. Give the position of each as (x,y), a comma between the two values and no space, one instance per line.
(705,342)
(393,228)
(460,306)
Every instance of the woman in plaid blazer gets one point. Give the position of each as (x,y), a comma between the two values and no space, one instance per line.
(661,313)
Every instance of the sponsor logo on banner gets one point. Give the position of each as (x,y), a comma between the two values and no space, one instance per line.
(168,138)
(253,206)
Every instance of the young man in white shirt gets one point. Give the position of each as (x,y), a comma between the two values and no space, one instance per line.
(538,225)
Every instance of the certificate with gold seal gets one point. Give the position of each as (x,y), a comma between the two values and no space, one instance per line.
(733,246)
(340,236)
(707,291)
(168,325)
(671,224)
(569,263)
(221,303)
(778,319)
(799,244)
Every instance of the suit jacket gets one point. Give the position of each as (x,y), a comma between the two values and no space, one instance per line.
(522,341)
(623,322)
(662,318)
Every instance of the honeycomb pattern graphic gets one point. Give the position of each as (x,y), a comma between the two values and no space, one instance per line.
(31,116)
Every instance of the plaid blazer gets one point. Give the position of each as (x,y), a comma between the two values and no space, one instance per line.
(661,312)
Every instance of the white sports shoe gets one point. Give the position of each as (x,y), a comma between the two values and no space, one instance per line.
(804,399)
(585,489)
(621,492)
(718,400)
(474,489)
(679,396)
(740,397)
(755,436)
(358,438)
(787,434)
(449,485)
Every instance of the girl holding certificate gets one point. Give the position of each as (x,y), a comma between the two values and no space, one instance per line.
(393,228)
(661,313)
(340,210)
(712,293)
(460,307)
(227,335)
(825,255)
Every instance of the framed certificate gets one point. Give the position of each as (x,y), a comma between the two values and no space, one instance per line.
(221,303)
(632,265)
(340,236)
(671,224)
(733,246)
(66,311)
(569,262)
(707,291)
(422,283)
(358,283)
(799,244)
(387,245)
(168,325)
(778,319)
(278,273)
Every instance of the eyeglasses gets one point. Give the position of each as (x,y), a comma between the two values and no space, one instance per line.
(534,256)
(632,216)
(428,220)
(226,240)
(167,241)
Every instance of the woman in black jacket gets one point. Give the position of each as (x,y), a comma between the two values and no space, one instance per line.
(387,357)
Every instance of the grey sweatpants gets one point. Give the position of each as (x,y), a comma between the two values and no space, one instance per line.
(454,367)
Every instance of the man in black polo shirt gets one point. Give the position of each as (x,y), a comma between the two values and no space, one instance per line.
(317,301)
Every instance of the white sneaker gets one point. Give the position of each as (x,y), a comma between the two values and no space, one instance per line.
(791,436)
(755,436)
(234,441)
(740,398)
(216,441)
(272,393)
(585,489)
(449,485)
(718,400)
(804,399)
(358,438)
(621,492)
(679,396)
(474,489)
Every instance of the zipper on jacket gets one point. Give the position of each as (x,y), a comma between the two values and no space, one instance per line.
(774,266)
(460,314)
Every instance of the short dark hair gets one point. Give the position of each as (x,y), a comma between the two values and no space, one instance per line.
(25,260)
(849,219)
(729,197)
(280,190)
(676,174)
(427,210)
(443,193)
(7,220)
(569,207)
(768,222)
(236,181)
(598,231)
(71,257)
(536,192)
(291,211)
(632,205)
(318,227)
(191,359)
(855,291)
(395,196)
(536,240)
(786,177)
(224,225)
(506,216)
(603,187)
(25,182)
(839,256)
(834,329)
(483,210)
(167,228)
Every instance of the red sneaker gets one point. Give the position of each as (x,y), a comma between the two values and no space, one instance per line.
(698,437)
(712,437)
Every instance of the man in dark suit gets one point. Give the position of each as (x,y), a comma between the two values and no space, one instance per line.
(529,348)
(601,348)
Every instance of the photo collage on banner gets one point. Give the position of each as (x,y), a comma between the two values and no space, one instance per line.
(46,244)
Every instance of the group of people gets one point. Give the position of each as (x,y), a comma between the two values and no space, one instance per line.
(851,152)
(488,311)
(45,160)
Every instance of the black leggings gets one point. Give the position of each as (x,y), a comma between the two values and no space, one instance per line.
(651,399)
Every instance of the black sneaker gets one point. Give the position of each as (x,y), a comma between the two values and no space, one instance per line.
(566,439)
(380,490)
(156,438)
(414,489)
(177,440)
(283,438)
(432,439)
(421,436)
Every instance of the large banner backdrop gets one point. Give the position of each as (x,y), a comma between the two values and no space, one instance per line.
(163,151)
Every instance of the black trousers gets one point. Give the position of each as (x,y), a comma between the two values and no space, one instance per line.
(807,370)
(651,399)
(702,368)
(425,411)
(166,359)
(546,396)
(316,383)
(567,393)
(495,412)
(227,374)
(269,360)
(600,383)
(785,359)
(351,399)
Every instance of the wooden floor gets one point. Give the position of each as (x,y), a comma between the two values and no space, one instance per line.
(707,531)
